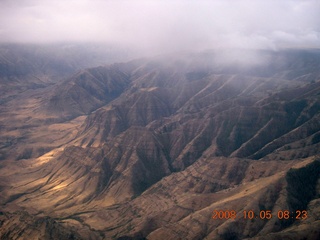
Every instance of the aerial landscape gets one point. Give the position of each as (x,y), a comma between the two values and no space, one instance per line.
(160,120)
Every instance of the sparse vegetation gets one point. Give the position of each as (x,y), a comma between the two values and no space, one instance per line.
(147,149)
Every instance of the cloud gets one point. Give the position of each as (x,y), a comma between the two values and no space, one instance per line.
(165,25)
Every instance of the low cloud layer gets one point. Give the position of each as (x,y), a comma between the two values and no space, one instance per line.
(165,25)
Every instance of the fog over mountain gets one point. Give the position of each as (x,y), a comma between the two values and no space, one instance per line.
(160,119)
(160,26)
(151,148)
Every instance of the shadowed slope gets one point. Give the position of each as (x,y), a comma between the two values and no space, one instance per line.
(159,144)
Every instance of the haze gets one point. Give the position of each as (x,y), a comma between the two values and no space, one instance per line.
(164,26)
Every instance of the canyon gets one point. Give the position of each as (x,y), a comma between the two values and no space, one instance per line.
(150,148)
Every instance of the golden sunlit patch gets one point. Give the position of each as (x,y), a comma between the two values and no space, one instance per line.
(60,186)
(47,157)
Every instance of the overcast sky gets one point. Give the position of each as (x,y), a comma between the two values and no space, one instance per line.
(164,25)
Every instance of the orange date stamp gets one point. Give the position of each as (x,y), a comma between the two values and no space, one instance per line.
(262,214)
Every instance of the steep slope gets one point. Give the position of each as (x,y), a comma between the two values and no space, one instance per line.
(184,210)
(86,91)
(32,66)
(217,114)
(36,78)
(55,111)
(15,225)
(150,148)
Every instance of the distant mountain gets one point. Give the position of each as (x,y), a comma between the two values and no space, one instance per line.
(152,148)
(32,66)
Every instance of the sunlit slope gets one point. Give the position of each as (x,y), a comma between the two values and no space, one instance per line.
(181,204)
(149,148)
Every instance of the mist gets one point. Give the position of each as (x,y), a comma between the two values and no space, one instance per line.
(164,26)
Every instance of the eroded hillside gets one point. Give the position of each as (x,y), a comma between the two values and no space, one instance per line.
(150,148)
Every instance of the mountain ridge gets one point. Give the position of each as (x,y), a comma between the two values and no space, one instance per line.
(151,147)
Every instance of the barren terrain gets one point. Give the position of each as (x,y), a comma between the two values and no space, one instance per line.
(148,149)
